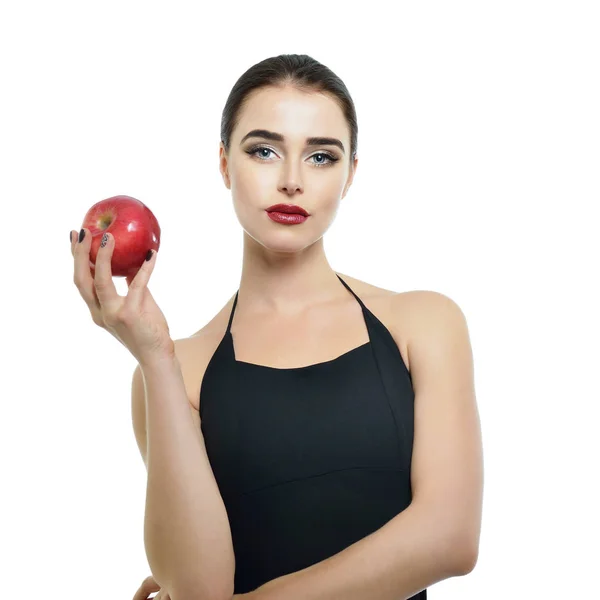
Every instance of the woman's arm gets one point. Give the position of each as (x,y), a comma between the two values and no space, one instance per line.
(186,528)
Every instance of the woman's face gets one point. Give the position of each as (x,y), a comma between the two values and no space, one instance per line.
(261,172)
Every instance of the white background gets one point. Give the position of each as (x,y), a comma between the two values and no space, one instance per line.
(478,178)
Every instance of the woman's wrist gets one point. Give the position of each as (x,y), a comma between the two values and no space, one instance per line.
(159,359)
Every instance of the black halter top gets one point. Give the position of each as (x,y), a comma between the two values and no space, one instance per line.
(311,459)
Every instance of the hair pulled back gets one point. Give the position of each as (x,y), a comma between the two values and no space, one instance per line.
(299,70)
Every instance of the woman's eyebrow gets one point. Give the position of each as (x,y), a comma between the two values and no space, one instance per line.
(277,137)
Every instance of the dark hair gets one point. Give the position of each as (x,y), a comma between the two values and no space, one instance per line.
(299,70)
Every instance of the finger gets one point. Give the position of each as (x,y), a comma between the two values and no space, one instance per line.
(103,282)
(82,276)
(137,286)
(148,586)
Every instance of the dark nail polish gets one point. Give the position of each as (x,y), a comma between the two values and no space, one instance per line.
(81,235)
(149,255)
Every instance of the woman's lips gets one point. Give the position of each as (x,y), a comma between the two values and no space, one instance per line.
(286,218)
(287,208)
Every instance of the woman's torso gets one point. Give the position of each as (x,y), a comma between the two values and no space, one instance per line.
(308,426)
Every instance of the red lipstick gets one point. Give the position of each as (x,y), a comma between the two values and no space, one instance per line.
(289,214)
(288,208)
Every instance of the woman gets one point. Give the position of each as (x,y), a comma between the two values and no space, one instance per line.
(314,468)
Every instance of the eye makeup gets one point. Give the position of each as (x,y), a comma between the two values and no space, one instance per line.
(252,151)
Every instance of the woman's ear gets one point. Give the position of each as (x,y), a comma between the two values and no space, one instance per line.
(223,165)
(353,165)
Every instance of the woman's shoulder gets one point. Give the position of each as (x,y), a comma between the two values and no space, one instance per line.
(369,290)
(194,353)
(390,304)
(404,313)
(407,299)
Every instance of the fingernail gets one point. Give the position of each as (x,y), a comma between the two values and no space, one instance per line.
(81,235)
(71,236)
(149,255)
(104,240)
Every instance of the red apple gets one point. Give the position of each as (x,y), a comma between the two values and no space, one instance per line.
(134,228)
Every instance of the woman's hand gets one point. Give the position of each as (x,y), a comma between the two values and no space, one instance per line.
(135,320)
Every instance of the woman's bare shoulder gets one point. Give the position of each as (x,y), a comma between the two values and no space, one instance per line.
(382,296)
(194,352)
(402,312)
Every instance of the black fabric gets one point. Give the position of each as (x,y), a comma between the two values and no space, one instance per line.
(308,460)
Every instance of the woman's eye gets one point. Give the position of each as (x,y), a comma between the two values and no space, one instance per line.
(255,150)
(329,159)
